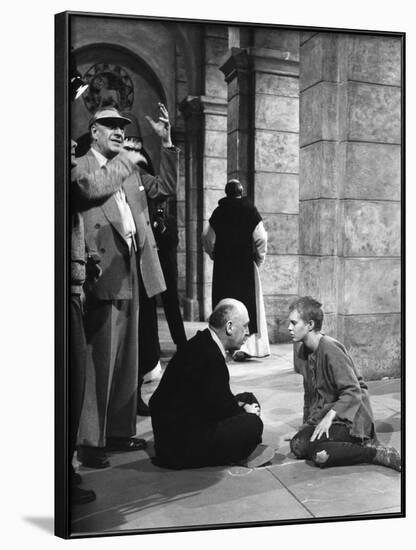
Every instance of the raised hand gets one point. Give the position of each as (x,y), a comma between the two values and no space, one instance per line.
(252,408)
(161,127)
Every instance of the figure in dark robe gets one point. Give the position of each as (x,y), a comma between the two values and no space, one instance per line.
(237,242)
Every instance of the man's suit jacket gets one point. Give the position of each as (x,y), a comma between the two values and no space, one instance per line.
(194,390)
(104,235)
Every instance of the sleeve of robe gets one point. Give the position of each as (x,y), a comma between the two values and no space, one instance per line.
(260,243)
(208,241)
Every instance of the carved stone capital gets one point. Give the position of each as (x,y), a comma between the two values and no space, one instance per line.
(266,60)
(271,61)
(236,61)
(196,106)
(191,106)
(214,105)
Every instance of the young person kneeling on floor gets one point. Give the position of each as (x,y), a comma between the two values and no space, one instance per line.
(338,428)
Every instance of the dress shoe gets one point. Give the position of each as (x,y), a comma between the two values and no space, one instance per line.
(125,444)
(241,356)
(142,409)
(93,457)
(261,455)
(82,496)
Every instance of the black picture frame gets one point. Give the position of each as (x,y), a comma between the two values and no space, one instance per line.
(62,255)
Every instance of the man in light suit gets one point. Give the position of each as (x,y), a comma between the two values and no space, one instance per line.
(119,234)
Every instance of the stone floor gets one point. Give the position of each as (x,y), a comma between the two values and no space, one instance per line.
(134,494)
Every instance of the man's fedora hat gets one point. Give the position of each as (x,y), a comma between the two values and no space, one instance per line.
(108,113)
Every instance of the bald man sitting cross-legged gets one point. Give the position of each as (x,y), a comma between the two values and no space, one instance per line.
(196,419)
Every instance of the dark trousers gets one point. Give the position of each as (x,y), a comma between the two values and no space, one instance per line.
(235,438)
(78,355)
(170,300)
(149,347)
(340,449)
(227,441)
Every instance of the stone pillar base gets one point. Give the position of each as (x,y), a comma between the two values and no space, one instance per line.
(190,309)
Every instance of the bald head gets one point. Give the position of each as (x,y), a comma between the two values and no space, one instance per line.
(224,311)
(230,321)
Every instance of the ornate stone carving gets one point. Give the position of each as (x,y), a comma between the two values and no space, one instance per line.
(109,85)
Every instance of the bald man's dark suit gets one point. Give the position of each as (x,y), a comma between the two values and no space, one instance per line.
(195,417)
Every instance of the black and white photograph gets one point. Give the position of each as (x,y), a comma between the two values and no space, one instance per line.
(222,195)
(234,318)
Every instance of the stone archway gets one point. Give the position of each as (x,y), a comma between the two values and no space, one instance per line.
(118,77)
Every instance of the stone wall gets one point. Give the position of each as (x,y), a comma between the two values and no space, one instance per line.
(276,169)
(263,152)
(214,105)
(349,215)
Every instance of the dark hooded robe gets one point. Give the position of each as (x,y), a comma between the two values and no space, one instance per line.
(234,221)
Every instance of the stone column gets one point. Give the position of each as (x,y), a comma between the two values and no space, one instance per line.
(214,178)
(177,207)
(205,168)
(205,165)
(263,126)
(181,84)
(192,113)
(214,162)
(206,173)
(350,191)
(238,75)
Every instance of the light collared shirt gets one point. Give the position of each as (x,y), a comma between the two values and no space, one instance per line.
(217,341)
(127,220)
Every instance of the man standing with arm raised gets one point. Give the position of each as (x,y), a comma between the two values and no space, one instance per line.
(118,233)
